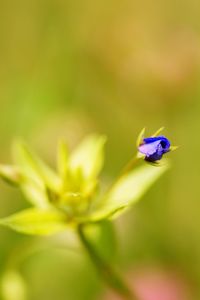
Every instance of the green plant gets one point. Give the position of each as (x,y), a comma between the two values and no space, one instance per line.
(71,197)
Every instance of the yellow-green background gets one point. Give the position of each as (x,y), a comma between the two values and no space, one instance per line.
(68,68)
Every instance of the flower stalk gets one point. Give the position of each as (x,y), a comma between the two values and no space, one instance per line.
(105,270)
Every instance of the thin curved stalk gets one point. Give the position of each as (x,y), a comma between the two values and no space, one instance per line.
(105,270)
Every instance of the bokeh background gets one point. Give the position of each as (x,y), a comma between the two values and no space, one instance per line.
(69,68)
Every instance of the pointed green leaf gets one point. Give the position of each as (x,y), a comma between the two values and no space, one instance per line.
(11,174)
(129,189)
(34,167)
(36,221)
(140,137)
(158,131)
(88,156)
(173,148)
(33,192)
(37,195)
(63,158)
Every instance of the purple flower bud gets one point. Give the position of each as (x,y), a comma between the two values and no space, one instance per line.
(154,147)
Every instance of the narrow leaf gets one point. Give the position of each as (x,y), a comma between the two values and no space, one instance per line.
(140,137)
(128,190)
(63,158)
(173,148)
(36,221)
(37,195)
(34,167)
(88,156)
(11,174)
(158,131)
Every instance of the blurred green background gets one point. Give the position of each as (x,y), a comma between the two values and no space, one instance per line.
(69,68)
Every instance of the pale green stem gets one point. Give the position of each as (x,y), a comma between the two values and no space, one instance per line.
(129,166)
(105,270)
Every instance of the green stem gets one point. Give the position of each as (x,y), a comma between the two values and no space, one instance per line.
(108,274)
(129,166)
